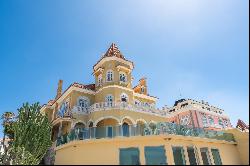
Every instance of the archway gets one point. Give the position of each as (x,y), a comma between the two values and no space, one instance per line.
(79,130)
(106,128)
(140,126)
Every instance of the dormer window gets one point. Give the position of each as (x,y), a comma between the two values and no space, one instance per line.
(109,76)
(123,77)
(109,100)
(124,97)
(142,89)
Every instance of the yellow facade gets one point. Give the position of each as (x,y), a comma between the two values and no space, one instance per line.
(110,114)
(106,151)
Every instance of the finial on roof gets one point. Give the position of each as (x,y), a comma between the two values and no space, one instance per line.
(114,51)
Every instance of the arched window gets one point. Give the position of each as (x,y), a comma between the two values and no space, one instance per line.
(123,77)
(221,123)
(125,129)
(79,130)
(83,102)
(124,97)
(204,120)
(142,89)
(99,80)
(226,123)
(146,104)
(63,109)
(109,76)
(211,120)
(109,100)
(137,102)
(185,120)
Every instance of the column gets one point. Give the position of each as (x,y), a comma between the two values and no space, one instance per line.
(142,156)
(211,156)
(186,155)
(199,155)
(169,154)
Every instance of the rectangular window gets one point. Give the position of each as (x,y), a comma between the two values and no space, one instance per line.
(129,156)
(216,156)
(179,158)
(193,157)
(155,155)
(205,156)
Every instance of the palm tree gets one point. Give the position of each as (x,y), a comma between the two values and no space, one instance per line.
(7,118)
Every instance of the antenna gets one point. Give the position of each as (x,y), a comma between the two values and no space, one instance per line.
(180,93)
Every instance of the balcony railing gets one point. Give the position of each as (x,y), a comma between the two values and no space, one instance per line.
(130,131)
(118,105)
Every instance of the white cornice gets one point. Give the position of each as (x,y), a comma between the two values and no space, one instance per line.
(99,69)
(114,86)
(130,64)
(119,67)
(145,96)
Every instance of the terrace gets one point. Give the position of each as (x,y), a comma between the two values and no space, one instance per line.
(163,128)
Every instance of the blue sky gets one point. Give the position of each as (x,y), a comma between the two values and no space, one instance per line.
(198,49)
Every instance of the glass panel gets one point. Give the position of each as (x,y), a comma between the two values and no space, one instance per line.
(129,156)
(100,132)
(179,158)
(110,132)
(125,130)
(205,156)
(192,156)
(216,156)
(155,155)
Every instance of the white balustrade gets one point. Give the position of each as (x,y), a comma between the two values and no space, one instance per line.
(103,106)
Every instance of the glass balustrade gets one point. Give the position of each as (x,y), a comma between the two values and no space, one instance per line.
(163,128)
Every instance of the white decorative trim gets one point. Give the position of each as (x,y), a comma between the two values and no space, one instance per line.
(151,121)
(145,96)
(119,67)
(114,86)
(99,69)
(88,123)
(106,117)
(61,98)
(142,120)
(129,118)
(79,121)
(130,64)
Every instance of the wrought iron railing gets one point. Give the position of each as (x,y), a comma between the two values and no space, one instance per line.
(163,128)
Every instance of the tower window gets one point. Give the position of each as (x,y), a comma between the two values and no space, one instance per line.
(123,77)
(124,97)
(142,89)
(109,100)
(109,75)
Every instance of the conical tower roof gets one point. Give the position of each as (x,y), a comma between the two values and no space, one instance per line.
(113,51)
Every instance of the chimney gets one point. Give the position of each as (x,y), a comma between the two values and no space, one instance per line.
(59,89)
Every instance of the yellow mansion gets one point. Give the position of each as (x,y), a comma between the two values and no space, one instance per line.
(112,122)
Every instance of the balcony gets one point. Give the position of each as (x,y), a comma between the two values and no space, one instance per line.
(126,106)
(162,128)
